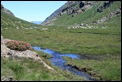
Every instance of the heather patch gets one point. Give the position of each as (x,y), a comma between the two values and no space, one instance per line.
(18,45)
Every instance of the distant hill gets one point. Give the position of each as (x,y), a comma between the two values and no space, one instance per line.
(91,29)
(37,22)
(88,12)
(8,21)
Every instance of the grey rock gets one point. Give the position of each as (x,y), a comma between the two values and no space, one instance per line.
(108,17)
(118,11)
(9,78)
(104,6)
(1,37)
(8,53)
(6,10)
(71,8)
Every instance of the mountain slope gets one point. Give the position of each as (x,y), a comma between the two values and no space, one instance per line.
(88,12)
(9,21)
(21,69)
(6,10)
(99,48)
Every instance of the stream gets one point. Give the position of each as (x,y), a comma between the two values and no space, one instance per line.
(58,61)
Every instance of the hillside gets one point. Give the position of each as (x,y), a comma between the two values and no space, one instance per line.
(20,65)
(89,29)
(6,10)
(84,12)
(9,21)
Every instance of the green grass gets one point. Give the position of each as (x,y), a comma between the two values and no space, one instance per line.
(93,42)
(44,55)
(82,41)
(88,16)
(13,22)
(109,70)
(69,41)
(23,69)
(89,41)
(69,20)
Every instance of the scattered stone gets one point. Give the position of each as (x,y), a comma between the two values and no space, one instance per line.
(83,26)
(118,11)
(44,28)
(104,27)
(1,37)
(9,78)
(108,17)
(104,6)
(26,28)
(17,27)
(31,27)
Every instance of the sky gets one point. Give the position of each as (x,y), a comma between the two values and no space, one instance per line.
(32,10)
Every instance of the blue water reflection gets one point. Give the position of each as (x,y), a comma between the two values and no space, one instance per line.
(58,61)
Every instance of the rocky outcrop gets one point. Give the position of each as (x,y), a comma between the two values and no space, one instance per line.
(8,53)
(108,16)
(75,8)
(104,6)
(6,10)
(70,8)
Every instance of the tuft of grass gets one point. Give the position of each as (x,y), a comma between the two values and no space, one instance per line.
(23,69)
(44,55)
(106,70)
(80,41)
(92,42)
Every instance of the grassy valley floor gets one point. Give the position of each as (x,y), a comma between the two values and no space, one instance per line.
(93,42)
(99,48)
(23,69)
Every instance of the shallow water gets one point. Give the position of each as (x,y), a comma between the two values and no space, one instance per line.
(58,61)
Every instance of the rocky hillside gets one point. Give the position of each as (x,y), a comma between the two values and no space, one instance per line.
(77,12)
(6,10)
(99,48)
(70,8)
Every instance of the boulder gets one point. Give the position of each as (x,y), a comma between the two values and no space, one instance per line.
(8,53)
(4,50)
